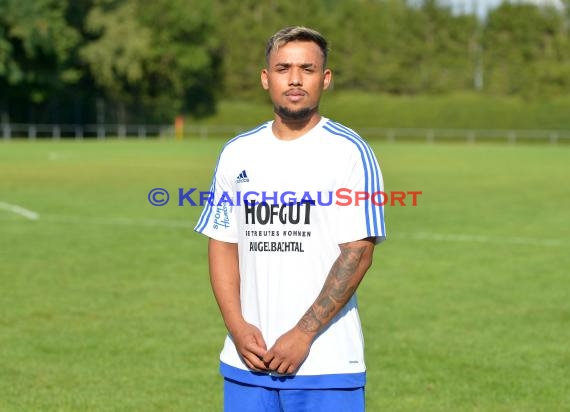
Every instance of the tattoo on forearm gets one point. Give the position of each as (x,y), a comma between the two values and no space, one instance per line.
(337,290)
(309,321)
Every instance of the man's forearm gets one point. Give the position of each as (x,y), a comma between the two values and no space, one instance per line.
(342,281)
(225,280)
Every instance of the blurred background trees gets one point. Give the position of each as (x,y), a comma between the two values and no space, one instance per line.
(86,61)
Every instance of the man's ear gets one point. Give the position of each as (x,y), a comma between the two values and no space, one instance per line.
(264,79)
(327,79)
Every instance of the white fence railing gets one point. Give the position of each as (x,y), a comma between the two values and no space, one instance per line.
(99,131)
(469,135)
(10,131)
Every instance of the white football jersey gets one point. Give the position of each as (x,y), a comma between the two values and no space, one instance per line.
(285,203)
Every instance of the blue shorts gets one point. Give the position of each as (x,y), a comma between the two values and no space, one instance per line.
(240,397)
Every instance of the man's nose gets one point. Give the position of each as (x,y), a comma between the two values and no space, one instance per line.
(295,78)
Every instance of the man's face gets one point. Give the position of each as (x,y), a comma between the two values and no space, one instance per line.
(295,79)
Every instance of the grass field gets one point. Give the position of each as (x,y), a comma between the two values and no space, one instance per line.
(106,305)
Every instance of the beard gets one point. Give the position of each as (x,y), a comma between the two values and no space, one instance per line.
(288,114)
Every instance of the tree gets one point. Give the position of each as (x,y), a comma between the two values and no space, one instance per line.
(526,51)
(184,64)
(160,55)
(35,47)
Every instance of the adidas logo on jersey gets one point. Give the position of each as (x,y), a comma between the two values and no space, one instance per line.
(242,178)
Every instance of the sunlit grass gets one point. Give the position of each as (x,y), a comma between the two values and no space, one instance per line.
(106,303)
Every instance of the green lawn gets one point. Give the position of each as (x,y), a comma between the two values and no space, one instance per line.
(106,304)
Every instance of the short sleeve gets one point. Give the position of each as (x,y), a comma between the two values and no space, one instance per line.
(218,218)
(361,198)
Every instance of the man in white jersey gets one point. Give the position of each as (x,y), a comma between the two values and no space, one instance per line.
(292,227)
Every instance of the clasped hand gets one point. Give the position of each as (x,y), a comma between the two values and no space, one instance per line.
(284,357)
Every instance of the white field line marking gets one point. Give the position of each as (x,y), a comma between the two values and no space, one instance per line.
(56,156)
(428,236)
(124,221)
(19,210)
(441,237)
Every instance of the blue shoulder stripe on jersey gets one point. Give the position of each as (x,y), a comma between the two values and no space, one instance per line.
(374,164)
(369,184)
(327,381)
(380,209)
(207,212)
(364,163)
(370,172)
